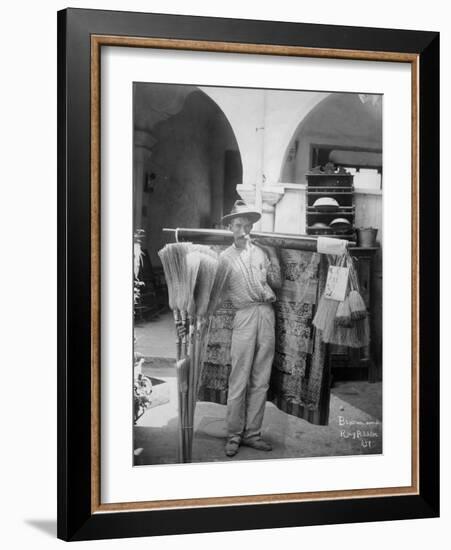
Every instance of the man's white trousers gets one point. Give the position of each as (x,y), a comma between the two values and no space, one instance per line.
(252,351)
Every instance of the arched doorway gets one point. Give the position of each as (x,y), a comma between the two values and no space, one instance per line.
(187,163)
(344,128)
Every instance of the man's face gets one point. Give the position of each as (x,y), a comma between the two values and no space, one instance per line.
(240,227)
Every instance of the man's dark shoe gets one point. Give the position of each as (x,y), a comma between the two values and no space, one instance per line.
(231,447)
(257,443)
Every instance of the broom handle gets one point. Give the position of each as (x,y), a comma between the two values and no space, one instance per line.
(202,347)
(197,352)
(180,383)
(185,435)
(184,344)
(191,353)
(197,344)
(196,364)
(353,274)
(194,377)
(180,453)
(178,340)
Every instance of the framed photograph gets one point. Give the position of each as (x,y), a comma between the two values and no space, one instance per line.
(248,274)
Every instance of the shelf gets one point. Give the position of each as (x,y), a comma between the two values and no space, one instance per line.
(341,210)
(339,187)
(333,215)
(330,179)
(330,191)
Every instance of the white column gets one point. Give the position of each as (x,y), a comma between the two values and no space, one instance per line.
(248,194)
(270,197)
(290,216)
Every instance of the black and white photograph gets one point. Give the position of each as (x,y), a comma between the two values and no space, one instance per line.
(225,283)
(257,274)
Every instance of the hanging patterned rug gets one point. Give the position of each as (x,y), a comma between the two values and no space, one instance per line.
(299,379)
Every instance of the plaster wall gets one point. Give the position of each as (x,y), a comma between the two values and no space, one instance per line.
(184,153)
(341,120)
(264,122)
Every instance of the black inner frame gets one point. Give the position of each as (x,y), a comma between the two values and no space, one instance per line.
(75,521)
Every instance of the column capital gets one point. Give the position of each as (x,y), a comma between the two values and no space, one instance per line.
(247,193)
(271,195)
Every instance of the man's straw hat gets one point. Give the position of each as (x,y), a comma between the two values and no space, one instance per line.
(240,208)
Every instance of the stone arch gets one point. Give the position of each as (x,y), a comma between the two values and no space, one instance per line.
(338,118)
(299,116)
(187,161)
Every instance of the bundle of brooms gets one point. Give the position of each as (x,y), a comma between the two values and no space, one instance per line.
(196,278)
(345,322)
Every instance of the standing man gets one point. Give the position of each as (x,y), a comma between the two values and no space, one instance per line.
(255,272)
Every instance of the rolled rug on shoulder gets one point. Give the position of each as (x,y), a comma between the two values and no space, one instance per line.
(328,245)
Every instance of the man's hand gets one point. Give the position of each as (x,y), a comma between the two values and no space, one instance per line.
(274,276)
(180,329)
(270,250)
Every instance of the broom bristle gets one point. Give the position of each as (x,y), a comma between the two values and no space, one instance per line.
(204,249)
(357,305)
(350,323)
(330,326)
(203,348)
(325,313)
(355,336)
(217,292)
(352,340)
(193,263)
(336,335)
(205,279)
(173,259)
(343,315)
